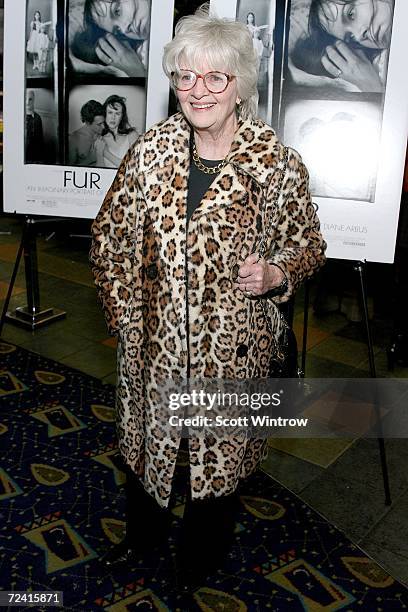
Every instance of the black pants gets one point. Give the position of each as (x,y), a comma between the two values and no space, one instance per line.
(208,531)
(146,521)
(208,524)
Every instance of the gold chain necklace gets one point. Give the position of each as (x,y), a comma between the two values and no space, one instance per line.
(207,169)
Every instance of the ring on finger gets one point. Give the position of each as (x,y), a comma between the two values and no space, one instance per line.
(339,73)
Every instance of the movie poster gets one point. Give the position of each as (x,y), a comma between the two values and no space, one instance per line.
(330,84)
(83,80)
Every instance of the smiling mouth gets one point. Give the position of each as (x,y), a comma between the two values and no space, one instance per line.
(202,106)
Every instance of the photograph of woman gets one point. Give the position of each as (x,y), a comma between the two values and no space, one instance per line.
(103,122)
(337,48)
(263,42)
(33,43)
(109,36)
(118,135)
(184,284)
(341,44)
(256,33)
(38,45)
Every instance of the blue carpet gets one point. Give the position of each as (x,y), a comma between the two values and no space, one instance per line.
(62,505)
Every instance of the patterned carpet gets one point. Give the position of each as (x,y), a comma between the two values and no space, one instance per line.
(61,506)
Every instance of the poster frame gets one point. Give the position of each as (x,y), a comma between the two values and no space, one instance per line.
(65,190)
(358,230)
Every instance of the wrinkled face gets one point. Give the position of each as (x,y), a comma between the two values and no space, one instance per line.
(30,100)
(113,116)
(97,125)
(129,18)
(205,110)
(367,22)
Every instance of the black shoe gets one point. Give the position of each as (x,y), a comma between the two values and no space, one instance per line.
(193,569)
(120,554)
(205,541)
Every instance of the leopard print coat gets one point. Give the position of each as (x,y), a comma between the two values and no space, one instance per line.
(167,289)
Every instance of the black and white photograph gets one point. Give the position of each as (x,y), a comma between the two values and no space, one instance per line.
(259,18)
(108,37)
(104,122)
(41,19)
(336,98)
(333,92)
(40,126)
(340,45)
(339,142)
(103,85)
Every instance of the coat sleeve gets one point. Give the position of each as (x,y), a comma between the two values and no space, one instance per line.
(298,247)
(113,242)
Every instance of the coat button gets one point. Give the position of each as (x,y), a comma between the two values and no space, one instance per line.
(151,271)
(242,350)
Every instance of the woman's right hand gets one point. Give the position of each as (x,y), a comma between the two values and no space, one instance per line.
(353,66)
(113,52)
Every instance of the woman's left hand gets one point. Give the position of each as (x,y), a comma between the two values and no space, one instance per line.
(352,65)
(256,276)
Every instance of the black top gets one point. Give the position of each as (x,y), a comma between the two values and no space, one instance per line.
(198,183)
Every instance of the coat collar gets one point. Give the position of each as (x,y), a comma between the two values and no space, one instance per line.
(255,149)
(165,163)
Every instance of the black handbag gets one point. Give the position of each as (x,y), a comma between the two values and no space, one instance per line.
(284,361)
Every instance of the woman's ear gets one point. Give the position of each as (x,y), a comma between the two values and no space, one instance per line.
(238,101)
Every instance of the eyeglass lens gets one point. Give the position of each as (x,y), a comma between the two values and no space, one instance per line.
(214,81)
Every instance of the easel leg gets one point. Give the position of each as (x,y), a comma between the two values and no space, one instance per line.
(360,268)
(13,278)
(305,324)
(30,316)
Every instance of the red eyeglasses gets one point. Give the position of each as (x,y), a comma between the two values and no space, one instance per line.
(215,82)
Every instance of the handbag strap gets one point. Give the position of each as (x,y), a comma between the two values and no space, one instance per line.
(267,231)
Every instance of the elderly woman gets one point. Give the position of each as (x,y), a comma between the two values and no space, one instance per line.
(175,260)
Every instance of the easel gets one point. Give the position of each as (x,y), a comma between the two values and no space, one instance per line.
(360,268)
(30,316)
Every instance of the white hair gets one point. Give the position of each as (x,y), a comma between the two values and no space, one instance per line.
(223,44)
